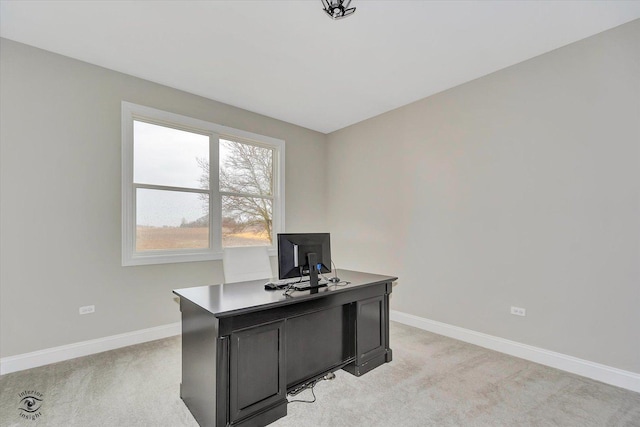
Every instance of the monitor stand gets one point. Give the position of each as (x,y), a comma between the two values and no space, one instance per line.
(312,260)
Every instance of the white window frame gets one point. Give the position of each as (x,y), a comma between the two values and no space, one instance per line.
(132,112)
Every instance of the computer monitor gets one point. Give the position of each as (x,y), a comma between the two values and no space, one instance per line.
(295,250)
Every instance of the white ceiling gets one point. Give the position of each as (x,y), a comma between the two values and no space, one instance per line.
(288,60)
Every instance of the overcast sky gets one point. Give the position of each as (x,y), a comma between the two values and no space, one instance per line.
(165,156)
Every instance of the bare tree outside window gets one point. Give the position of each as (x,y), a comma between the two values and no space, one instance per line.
(246,187)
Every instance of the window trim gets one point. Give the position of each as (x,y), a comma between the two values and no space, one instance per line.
(132,112)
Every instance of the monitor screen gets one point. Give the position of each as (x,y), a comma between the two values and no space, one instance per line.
(293,249)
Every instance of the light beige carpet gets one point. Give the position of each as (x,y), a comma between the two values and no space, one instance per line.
(432,381)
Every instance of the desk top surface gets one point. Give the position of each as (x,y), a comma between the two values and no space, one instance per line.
(235,298)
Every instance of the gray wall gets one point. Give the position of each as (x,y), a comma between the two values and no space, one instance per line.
(60,200)
(519,188)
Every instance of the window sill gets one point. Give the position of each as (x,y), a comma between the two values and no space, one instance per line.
(169,258)
(153,258)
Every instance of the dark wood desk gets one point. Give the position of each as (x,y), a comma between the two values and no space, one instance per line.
(244,348)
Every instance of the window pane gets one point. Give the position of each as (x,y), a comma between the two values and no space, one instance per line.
(167,156)
(246,221)
(246,168)
(171,220)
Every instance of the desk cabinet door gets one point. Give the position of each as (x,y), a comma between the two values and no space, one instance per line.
(371,329)
(257,369)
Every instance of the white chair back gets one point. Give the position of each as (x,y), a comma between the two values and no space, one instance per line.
(242,264)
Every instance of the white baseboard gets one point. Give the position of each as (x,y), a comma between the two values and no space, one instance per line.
(585,368)
(85,348)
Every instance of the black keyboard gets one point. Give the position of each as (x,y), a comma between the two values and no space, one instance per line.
(306,287)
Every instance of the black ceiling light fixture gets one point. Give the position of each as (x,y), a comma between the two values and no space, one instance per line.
(338,9)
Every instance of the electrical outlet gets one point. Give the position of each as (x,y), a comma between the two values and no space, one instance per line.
(518,311)
(87,309)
